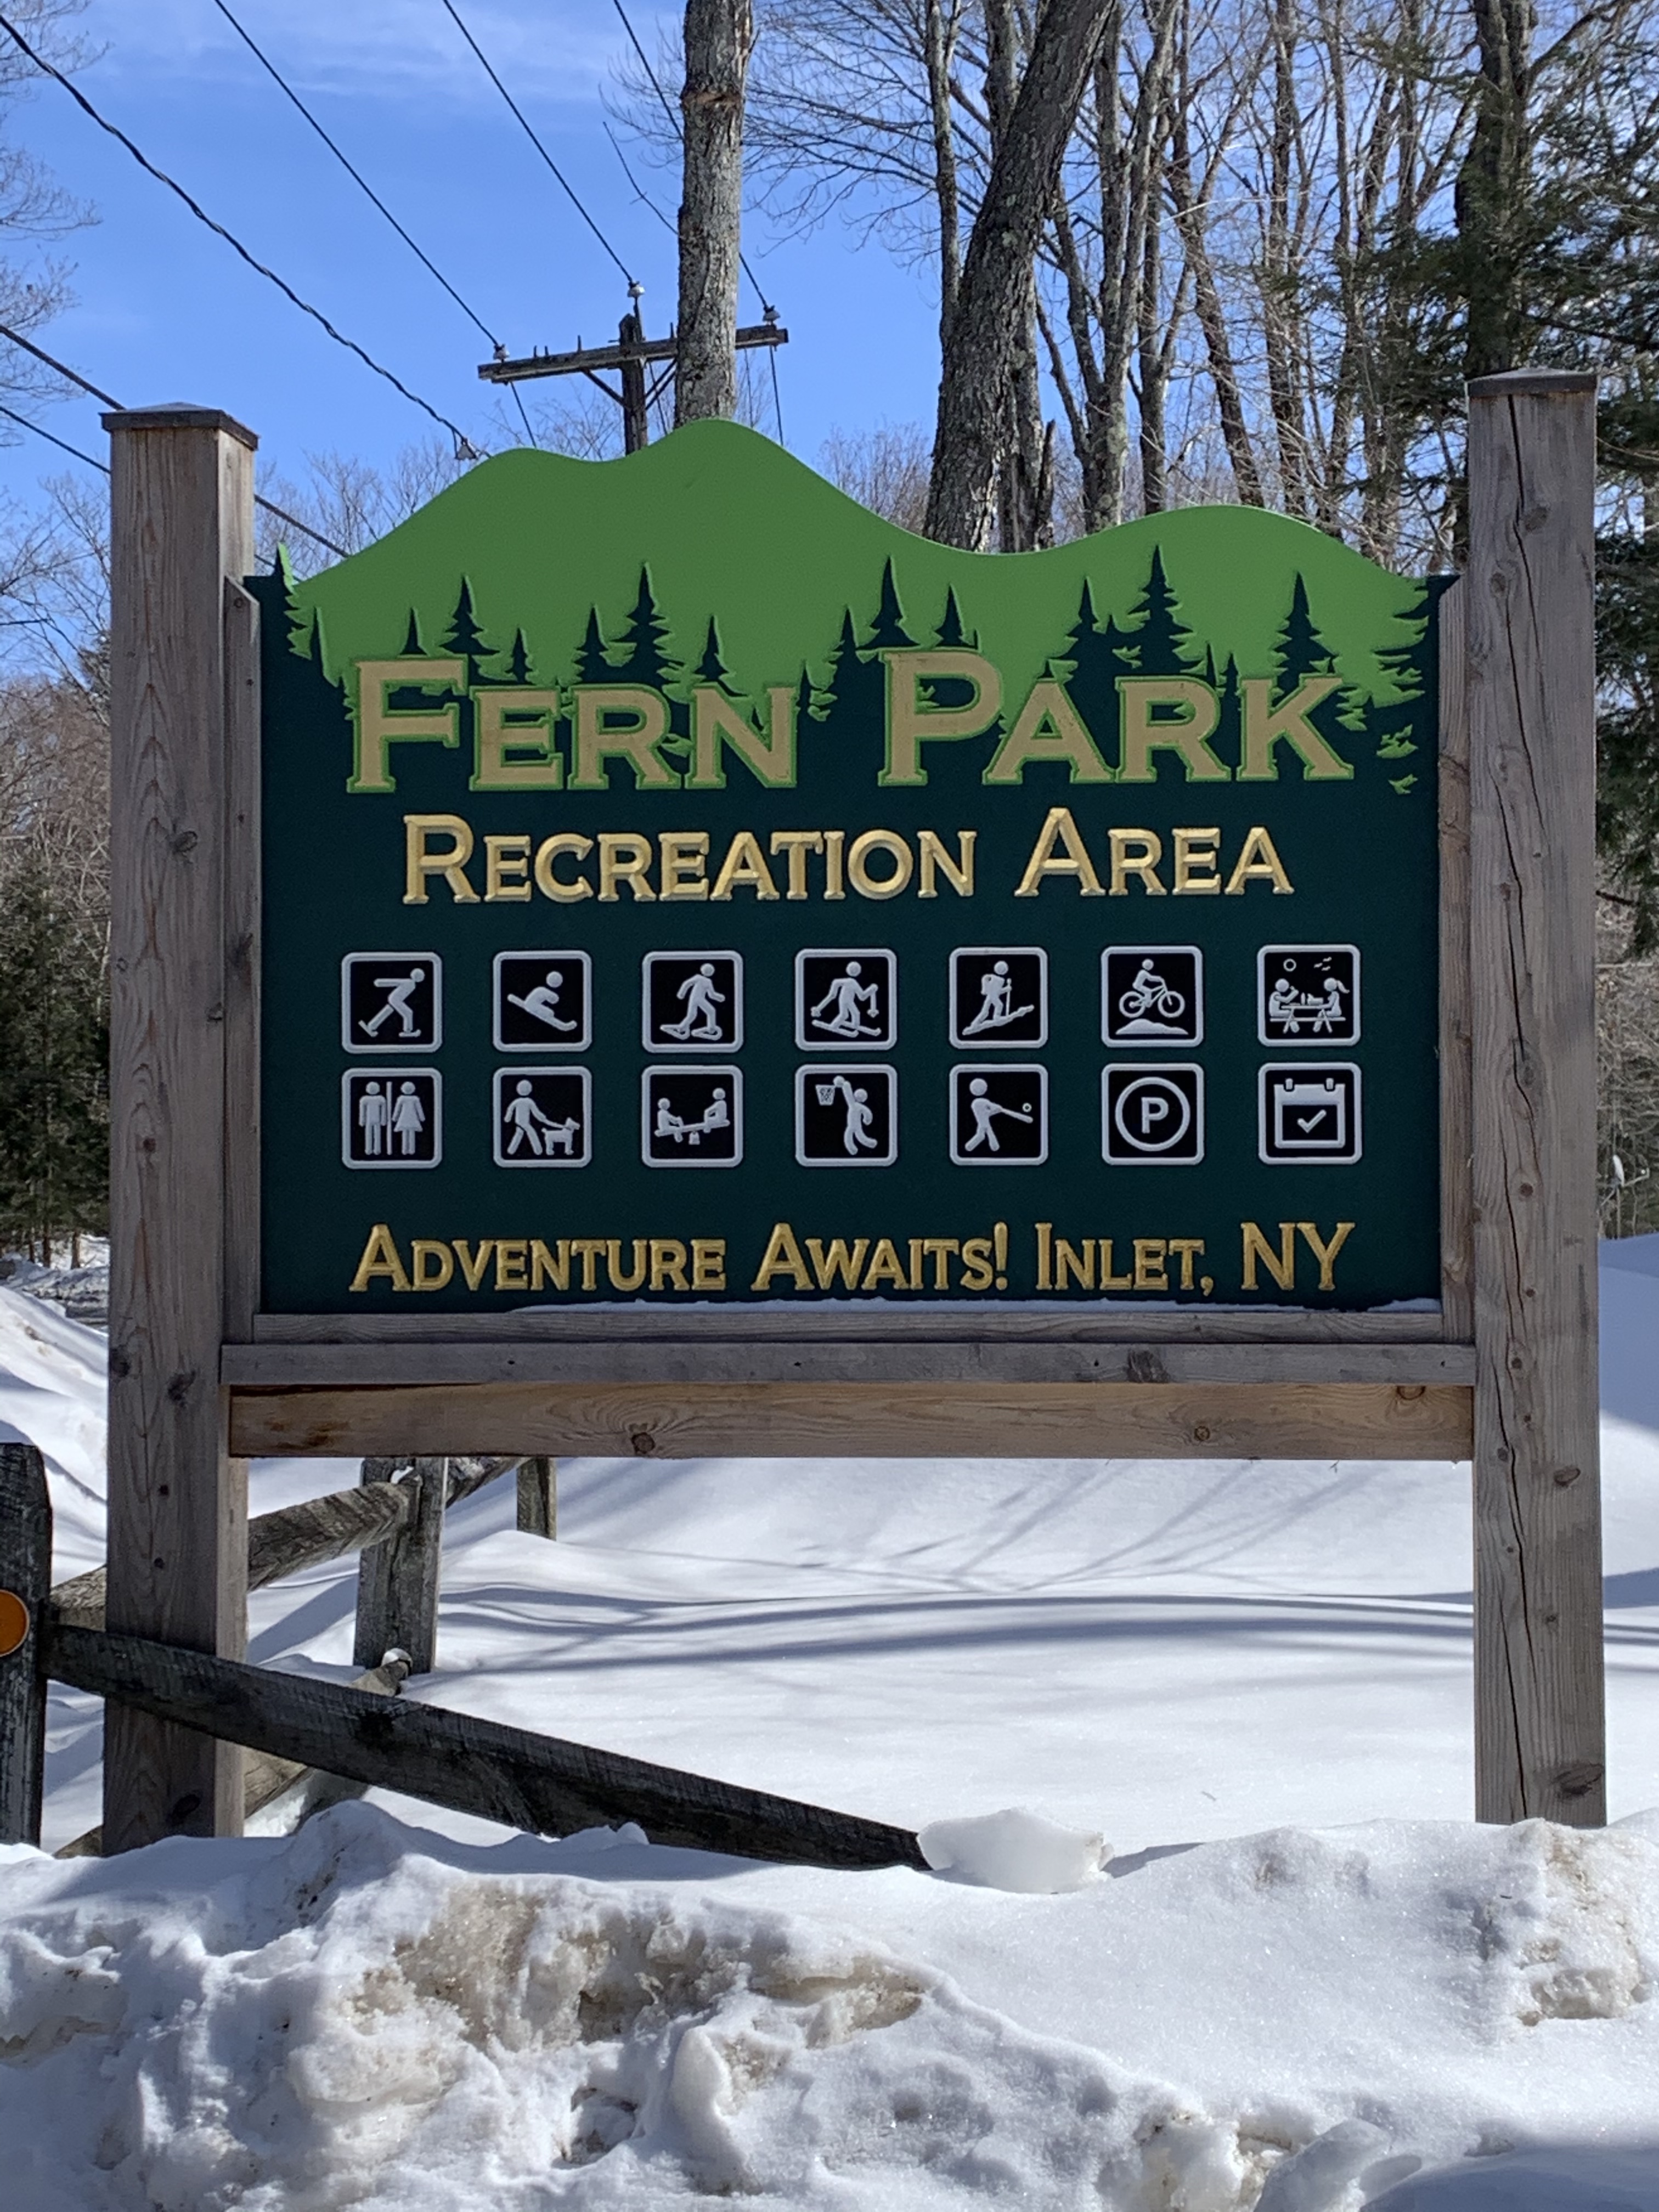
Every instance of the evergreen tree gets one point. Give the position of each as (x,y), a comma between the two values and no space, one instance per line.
(465,639)
(1091,662)
(1159,638)
(951,630)
(412,637)
(640,655)
(1300,650)
(54,1103)
(843,658)
(712,669)
(593,661)
(1229,729)
(518,660)
(888,629)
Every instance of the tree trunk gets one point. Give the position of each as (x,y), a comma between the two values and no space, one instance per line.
(991,321)
(1493,185)
(719,35)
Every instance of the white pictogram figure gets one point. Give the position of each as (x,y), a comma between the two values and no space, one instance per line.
(855,1136)
(996,1011)
(716,1115)
(851,1000)
(408,1119)
(525,1118)
(1288,1007)
(984,1109)
(1150,993)
(701,1002)
(399,989)
(373,1113)
(1327,1011)
(543,1002)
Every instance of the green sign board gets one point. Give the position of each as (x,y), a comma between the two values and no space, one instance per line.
(681,885)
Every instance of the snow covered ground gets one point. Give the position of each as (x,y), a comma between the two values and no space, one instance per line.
(1304,1978)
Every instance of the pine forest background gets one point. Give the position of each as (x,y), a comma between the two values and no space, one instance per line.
(1284,233)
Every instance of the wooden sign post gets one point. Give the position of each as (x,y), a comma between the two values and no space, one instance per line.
(731,978)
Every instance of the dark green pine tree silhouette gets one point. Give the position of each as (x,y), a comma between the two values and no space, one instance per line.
(888,629)
(844,658)
(1092,658)
(1300,650)
(593,661)
(951,630)
(1228,729)
(711,668)
(412,637)
(465,639)
(640,655)
(1159,638)
(295,682)
(518,660)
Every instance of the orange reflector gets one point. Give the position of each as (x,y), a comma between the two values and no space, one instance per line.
(13,1623)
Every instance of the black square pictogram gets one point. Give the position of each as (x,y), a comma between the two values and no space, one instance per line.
(691,1117)
(392,1117)
(392,1002)
(998,997)
(1152,1117)
(846,1116)
(846,1000)
(1308,995)
(544,1117)
(1310,1113)
(693,1002)
(1151,995)
(999,1115)
(544,1001)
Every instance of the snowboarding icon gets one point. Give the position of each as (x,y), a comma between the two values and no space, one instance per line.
(1151,995)
(543,1001)
(392,1120)
(999,995)
(543,1117)
(691,1117)
(389,1002)
(1308,994)
(999,1117)
(692,1000)
(845,998)
(846,1117)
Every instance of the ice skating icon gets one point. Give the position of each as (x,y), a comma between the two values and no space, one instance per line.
(999,995)
(543,1001)
(1308,994)
(692,1117)
(390,1120)
(390,1001)
(692,1000)
(541,1117)
(999,1117)
(1151,995)
(845,998)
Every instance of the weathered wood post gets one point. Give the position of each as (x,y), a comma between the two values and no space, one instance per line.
(398,1580)
(182,523)
(1540,1740)
(25,1580)
(538,1498)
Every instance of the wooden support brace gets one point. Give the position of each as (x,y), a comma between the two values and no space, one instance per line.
(25,1579)
(538,1498)
(398,1580)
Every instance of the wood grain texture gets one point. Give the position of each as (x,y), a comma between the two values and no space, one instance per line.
(1456,1067)
(243,859)
(26,1572)
(398,1580)
(1353,1420)
(538,1498)
(540,1784)
(1539,1741)
(181,494)
(306,1367)
(784,1324)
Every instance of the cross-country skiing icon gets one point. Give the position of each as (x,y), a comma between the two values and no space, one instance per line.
(544,1117)
(998,996)
(1308,995)
(392,1118)
(1152,1117)
(845,998)
(691,1117)
(543,1001)
(391,1002)
(999,1117)
(1310,1113)
(1151,995)
(846,1117)
(693,1001)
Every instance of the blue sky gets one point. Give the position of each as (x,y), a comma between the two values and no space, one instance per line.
(165,310)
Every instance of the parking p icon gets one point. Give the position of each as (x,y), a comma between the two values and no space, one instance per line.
(1153,1116)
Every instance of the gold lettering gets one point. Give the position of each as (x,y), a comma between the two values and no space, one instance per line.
(380,1257)
(624,858)
(1326,1253)
(545,1270)
(667,1264)
(929,848)
(885,1267)
(978,1270)
(426,1249)
(506,868)
(1049,728)
(858,864)
(1258,859)
(939,1250)
(1186,1249)
(1136,853)
(1152,1272)
(1058,829)
(519,754)
(473,1265)
(589,1251)
(1045,1237)
(836,1260)
(1108,1281)
(550,849)
(1068,1261)
(708,1263)
(715,722)
(632,1280)
(511,1256)
(912,718)
(1196,861)
(379,726)
(625,721)
(684,863)
(1197,710)
(1281,1266)
(834,840)
(419,862)
(783,1257)
(744,863)
(796,844)
(1266,724)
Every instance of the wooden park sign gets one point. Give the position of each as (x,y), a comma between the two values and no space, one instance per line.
(651,957)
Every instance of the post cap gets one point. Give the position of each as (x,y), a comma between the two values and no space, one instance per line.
(1524,383)
(13,1623)
(180,415)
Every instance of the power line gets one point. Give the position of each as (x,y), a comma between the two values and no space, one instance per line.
(62,443)
(74,376)
(368,190)
(569,189)
(464,447)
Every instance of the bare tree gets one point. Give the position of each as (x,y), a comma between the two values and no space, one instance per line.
(719,35)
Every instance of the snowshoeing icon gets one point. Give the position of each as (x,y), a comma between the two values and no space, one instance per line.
(391,1002)
(999,1117)
(1151,995)
(392,1119)
(693,1001)
(691,1117)
(543,1001)
(846,1117)
(999,995)
(1308,994)
(543,1117)
(845,998)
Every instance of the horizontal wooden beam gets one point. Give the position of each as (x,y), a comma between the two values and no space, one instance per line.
(844,1324)
(540,1784)
(338,1366)
(1339,1421)
(584,358)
